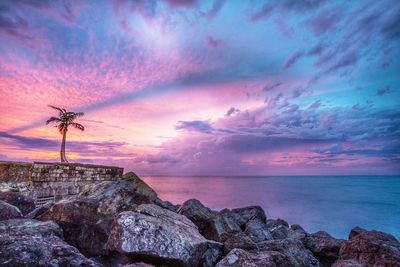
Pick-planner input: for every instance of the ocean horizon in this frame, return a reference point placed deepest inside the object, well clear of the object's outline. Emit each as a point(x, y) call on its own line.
point(335, 203)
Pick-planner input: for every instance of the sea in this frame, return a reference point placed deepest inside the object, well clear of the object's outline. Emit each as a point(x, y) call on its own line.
point(334, 204)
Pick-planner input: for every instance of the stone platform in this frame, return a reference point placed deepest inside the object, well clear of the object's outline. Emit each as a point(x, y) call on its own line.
point(53, 181)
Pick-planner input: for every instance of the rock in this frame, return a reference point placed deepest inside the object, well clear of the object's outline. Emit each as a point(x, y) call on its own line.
point(158, 236)
point(86, 220)
point(139, 264)
point(222, 223)
point(257, 231)
point(249, 213)
point(39, 210)
point(237, 240)
point(293, 249)
point(212, 255)
point(83, 225)
point(8, 211)
point(114, 197)
point(211, 224)
point(370, 248)
point(275, 223)
point(240, 258)
point(297, 232)
point(29, 227)
point(199, 214)
point(347, 263)
point(24, 203)
point(40, 251)
point(140, 186)
point(279, 232)
point(166, 205)
point(324, 247)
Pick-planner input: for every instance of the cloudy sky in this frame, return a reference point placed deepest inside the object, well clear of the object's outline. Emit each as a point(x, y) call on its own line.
point(175, 87)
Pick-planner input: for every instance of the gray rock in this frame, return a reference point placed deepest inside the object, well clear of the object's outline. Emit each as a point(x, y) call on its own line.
point(257, 231)
point(140, 186)
point(39, 210)
point(8, 211)
point(347, 263)
point(324, 247)
point(293, 249)
point(166, 205)
point(249, 213)
point(240, 258)
point(212, 255)
point(370, 248)
point(86, 220)
point(29, 227)
point(237, 240)
point(40, 251)
point(279, 232)
point(24, 203)
point(199, 214)
point(157, 236)
point(271, 223)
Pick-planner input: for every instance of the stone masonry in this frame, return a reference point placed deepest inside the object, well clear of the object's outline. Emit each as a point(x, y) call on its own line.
point(53, 181)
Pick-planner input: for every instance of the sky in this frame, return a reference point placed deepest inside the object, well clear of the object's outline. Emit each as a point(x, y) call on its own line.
point(186, 87)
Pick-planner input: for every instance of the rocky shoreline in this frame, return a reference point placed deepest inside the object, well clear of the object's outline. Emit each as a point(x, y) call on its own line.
point(124, 223)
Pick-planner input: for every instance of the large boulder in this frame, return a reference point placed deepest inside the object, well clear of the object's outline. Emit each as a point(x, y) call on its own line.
point(83, 225)
point(8, 211)
point(324, 247)
point(114, 197)
point(257, 231)
point(241, 258)
point(86, 220)
point(212, 225)
point(279, 228)
point(246, 214)
point(158, 236)
point(28, 227)
point(212, 255)
point(24, 203)
point(293, 249)
point(199, 214)
point(237, 240)
point(370, 248)
point(40, 251)
point(140, 186)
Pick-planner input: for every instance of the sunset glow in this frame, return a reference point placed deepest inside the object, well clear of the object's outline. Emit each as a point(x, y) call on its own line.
point(205, 87)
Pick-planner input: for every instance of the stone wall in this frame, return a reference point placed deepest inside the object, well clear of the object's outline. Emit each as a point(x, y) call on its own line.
point(53, 181)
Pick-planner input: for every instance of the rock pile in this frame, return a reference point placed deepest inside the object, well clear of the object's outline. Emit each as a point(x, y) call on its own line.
point(124, 223)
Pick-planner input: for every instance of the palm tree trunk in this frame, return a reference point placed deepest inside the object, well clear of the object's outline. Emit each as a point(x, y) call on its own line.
point(62, 151)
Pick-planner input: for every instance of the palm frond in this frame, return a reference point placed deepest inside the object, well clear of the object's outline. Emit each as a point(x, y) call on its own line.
point(53, 119)
point(61, 110)
point(78, 126)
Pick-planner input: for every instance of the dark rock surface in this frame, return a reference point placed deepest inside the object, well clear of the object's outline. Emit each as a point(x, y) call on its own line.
point(39, 210)
point(29, 227)
point(212, 225)
point(257, 231)
point(241, 258)
point(40, 251)
point(237, 240)
point(86, 220)
point(246, 214)
point(24, 203)
point(8, 211)
point(140, 186)
point(158, 236)
point(212, 255)
point(324, 247)
point(370, 248)
point(293, 249)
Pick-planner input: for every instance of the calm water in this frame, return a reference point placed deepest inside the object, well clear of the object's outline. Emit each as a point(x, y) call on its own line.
point(333, 204)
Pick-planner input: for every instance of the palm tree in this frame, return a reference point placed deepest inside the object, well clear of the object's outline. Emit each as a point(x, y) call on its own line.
point(64, 120)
